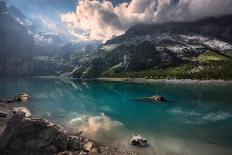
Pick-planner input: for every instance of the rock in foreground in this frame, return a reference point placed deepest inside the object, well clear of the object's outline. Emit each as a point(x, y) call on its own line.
point(3, 114)
point(26, 135)
point(39, 135)
point(138, 140)
point(22, 110)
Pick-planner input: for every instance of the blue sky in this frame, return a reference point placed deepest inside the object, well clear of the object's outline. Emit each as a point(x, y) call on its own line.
point(49, 8)
point(48, 12)
point(100, 20)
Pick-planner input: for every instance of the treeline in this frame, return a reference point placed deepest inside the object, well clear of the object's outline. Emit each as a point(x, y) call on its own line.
point(205, 71)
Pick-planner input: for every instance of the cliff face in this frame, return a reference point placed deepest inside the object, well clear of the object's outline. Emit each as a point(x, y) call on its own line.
point(15, 45)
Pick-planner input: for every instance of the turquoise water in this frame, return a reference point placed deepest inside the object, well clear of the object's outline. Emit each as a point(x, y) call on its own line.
point(196, 120)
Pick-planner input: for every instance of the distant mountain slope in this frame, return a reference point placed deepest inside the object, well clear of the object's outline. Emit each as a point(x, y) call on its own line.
point(15, 44)
point(154, 46)
point(19, 55)
point(218, 27)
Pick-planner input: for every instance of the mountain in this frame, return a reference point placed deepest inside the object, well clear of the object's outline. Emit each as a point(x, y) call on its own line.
point(15, 45)
point(199, 49)
point(214, 33)
point(22, 47)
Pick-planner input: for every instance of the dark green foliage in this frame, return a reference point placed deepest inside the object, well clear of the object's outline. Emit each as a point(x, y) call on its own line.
point(143, 56)
point(212, 70)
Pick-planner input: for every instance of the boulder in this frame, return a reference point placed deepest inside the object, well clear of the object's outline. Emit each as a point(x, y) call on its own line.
point(152, 98)
point(23, 111)
point(24, 133)
point(8, 100)
point(138, 140)
point(2, 114)
point(22, 97)
point(88, 146)
point(158, 98)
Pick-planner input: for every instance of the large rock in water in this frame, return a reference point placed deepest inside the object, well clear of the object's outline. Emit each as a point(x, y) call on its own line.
point(138, 140)
point(160, 99)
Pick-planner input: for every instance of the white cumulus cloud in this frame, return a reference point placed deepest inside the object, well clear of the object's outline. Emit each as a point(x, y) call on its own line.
point(100, 20)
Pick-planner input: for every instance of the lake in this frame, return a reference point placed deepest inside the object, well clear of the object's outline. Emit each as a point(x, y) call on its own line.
point(196, 120)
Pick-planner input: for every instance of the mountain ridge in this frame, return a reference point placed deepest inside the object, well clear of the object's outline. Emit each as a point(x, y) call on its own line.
point(177, 43)
point(200, 50)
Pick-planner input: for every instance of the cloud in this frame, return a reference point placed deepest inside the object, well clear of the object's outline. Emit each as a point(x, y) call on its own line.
point(93, 124)
point(100, 20)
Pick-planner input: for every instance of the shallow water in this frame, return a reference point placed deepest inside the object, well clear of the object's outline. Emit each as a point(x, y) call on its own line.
point(196, 120)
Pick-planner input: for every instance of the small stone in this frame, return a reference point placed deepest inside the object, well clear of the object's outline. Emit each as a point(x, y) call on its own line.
point(87, 146)
point(94, 151)
point(159, 98)
point(3, 114)
point(83, 153)
point(23, 111)
point(22, 97)
point(138, 140)
point(80, 133)
point(65, 153)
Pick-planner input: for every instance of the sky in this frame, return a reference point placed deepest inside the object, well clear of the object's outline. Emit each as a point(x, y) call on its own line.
point(102, 19)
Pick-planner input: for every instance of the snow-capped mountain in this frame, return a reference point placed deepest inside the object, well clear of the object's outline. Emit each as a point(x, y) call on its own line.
point(148, 46)
point(181, 38)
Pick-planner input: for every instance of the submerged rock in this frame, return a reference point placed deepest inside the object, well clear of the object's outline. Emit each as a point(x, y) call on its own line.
point(138, 140)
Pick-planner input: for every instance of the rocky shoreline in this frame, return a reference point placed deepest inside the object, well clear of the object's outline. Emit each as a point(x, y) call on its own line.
point(174, 81)
point(20, 133)
point(144, 80)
